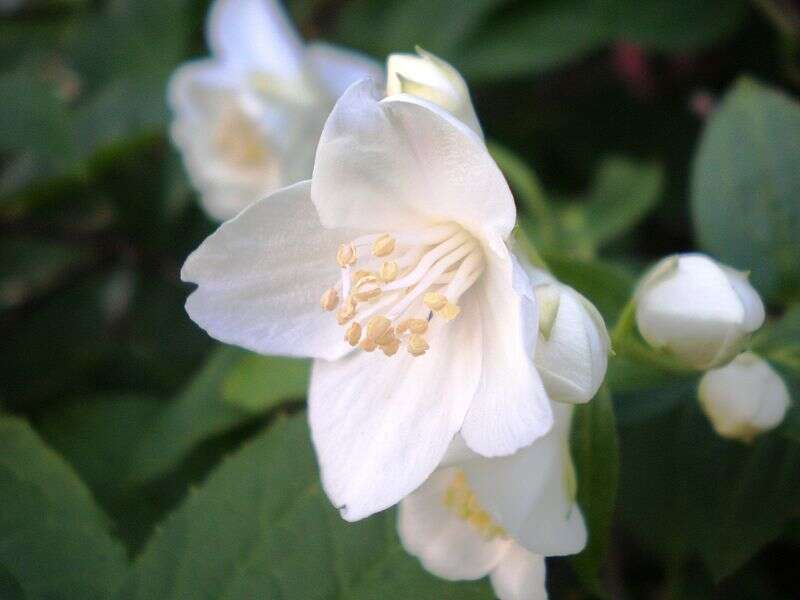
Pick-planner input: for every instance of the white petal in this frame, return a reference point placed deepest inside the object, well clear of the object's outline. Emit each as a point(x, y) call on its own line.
point(402, 162)
point(255, 35)
point(446, 546)
point(529, 493)
point(381, 425)
point(260, 277)
point(753, 305)
point(510, 409)
point(338, 68)
point(520, 576)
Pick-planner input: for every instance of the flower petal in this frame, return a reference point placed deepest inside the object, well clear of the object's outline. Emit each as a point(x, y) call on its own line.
point(446, 546)
point(404, 161)
point(529, 493)
point(510, 409)
point(255, 35)
point(381, 425)
point(338, 68)
point(260, 277)
point(520, 576)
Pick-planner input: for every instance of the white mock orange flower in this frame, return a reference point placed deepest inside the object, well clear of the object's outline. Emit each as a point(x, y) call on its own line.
point(247, 120)
point(498, 517)
point(391, 267)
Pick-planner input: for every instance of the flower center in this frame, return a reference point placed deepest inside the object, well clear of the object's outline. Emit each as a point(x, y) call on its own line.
point(237, 139)
point(393, 285)
point(460, 499)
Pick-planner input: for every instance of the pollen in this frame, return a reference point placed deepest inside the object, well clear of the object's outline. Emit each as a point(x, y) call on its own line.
point(346, 255)
point(383, 246)
point(401, 288)
point(353, 334)
point(461, 500)
point(329, 299)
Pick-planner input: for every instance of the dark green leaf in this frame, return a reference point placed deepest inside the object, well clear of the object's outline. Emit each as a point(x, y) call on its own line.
point(259, 383)
point(275, 535)
point(54, 541)
point(596, 455)
point(746, 183)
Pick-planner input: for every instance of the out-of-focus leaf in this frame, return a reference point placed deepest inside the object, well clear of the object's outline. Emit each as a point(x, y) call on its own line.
point(687, 491)
point(622, 193)
point(606, 284)
point(528, 37)
point(258, 383)
point(746, 185)
point(198, 412)
point(282, 538)
point(53, 539)
point(596, 455)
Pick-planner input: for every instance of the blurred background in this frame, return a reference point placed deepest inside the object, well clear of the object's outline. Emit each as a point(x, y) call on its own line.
point(597, 107)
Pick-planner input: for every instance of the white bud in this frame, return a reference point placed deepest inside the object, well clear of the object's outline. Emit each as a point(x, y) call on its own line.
point(698, 310)
point(744, 398)
point(430, 78)
point(573, 345)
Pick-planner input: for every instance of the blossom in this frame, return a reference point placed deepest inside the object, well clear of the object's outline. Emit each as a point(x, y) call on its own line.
point(391, 268)
point(744, 398)
point(431, 78)
point(498, 516)
point(697, 309)
point(573, 345)
point(247, 120)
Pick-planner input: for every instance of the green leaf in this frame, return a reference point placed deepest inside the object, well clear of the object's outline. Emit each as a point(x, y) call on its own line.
point(275, 535)
point(54, 541)
point(259, 383)
point(622, 193)
point(596, 455)
point(746, 183)
point(779, 342)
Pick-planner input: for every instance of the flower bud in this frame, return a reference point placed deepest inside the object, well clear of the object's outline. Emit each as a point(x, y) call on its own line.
point(573, 345)
point(430, 78)
point(698, 310)
point(744, 398)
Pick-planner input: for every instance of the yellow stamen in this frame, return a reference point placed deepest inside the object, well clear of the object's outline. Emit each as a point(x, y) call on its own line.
point(417, 346)
point(383, 246)
point(391, 348)
point(387, 338)
point(388, 271)
point(360, 274)
point(329, 299)
point(346, 255)
point(417, 326)
point(434, 300)
point(367, 345)
point(346, 311)
point(377, 326)
point(449, 312)
point(353, 334)
point(461, 500)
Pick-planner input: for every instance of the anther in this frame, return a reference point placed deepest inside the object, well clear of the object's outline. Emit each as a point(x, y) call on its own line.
point(353, 334)
point(346, 311)
point(346, 255)
point(383, 246)
point(434, 300)
point(387, 339)
point(377, 326)
point(367, 345)
point(329, 299)
point(391, 348)
point(449, 311)
point(388, 271)
point(417, 345)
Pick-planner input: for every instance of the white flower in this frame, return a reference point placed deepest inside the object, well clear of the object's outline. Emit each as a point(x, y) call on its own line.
point(429, 77)
point(401, 236)
point(573, 346)
point(697, 309)
point(744, 398)
point(498, 516)
point(247, 120)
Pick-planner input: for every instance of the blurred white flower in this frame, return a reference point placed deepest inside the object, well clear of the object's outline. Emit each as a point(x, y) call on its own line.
point(697, 309)
point(247, 120)
point(498, 516)
point(572, 350)
point(744, 398)
point(431, 78)
point(392, 250)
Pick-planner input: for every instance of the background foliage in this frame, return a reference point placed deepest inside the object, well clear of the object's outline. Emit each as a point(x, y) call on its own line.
point(140, 460)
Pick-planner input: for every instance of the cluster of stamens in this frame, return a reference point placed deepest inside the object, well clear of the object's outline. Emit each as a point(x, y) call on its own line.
point(461, 500)
point(393, 285)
